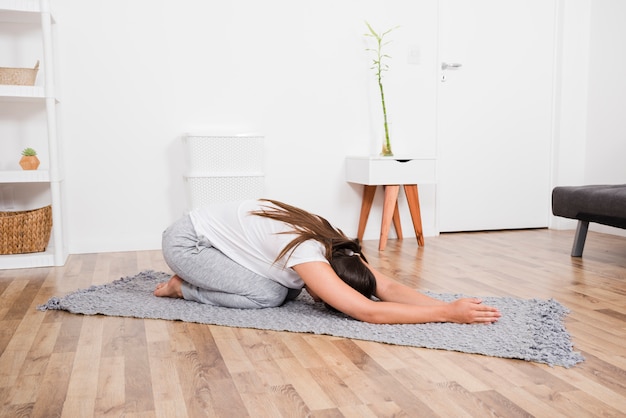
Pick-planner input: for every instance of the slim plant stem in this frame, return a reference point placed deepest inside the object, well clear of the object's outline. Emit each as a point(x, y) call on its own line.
point(387, 147)
point(379, 67)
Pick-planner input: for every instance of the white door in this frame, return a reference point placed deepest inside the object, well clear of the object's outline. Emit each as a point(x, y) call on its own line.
point(495, 113)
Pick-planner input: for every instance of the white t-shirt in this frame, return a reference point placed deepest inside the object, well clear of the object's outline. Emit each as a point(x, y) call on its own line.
point(255, 241)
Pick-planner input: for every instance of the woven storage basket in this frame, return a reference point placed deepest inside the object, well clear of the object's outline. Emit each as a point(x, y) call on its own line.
point(19, 76)
point(26, 231)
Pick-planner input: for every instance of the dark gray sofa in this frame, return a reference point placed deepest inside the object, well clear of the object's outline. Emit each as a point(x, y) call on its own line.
point(603, 204)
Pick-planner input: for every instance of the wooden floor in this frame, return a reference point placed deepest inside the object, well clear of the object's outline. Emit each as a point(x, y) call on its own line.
point(60, 364)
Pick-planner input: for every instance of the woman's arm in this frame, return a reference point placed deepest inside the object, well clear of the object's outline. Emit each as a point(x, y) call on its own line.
point(397, 305)
point(390, 290)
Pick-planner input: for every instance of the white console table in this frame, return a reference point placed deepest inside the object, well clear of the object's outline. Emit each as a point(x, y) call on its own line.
point(391, 173)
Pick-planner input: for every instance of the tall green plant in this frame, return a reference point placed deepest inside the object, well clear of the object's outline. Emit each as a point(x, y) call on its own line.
point(379, 68)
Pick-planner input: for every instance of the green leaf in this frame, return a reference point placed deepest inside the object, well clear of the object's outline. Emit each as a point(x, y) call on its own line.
point(29, 152)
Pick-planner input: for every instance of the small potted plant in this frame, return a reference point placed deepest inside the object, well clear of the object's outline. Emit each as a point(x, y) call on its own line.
point(29, 159)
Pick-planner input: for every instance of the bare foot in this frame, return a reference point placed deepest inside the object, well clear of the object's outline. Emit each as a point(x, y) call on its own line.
point(170, 289)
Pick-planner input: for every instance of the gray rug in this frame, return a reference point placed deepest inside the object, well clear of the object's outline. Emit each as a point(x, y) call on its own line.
point(530, 329)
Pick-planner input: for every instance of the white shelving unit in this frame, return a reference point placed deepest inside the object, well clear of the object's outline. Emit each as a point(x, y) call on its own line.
point(17, 101)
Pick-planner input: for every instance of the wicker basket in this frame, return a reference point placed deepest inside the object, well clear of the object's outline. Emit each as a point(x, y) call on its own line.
point(25, 231)
point(19, 76)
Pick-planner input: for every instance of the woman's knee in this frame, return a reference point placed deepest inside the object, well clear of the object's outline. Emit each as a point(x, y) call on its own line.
point(268, 294)
point(177, 241)
point(272, 299)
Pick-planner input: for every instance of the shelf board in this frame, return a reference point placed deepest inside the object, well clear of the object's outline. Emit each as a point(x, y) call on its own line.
point(20, 11)
point(24, 176)
point(31, 260)
point(16, 93)
point(20, 5)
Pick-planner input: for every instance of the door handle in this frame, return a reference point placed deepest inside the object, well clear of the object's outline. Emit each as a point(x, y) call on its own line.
point(450, 65)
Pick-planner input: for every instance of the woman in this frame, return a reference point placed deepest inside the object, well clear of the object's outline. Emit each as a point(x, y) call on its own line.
point(260, 253)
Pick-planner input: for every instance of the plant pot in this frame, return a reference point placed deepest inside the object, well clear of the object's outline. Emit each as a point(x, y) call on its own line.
point(30, 162)
point(386, 150)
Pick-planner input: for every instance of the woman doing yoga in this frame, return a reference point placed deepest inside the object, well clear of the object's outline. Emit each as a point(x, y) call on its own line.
point(261, 253)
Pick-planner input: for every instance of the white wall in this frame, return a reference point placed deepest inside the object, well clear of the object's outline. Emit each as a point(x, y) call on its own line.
point(590, 139)
point(606, 128)
point(136, 75)
point(606, 125)
point(571, 96)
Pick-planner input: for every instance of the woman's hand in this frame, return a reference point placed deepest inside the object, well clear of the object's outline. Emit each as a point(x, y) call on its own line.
point(472, 311)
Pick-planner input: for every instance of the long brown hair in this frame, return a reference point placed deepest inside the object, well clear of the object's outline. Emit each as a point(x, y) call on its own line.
point(341, 252)
point(307, 226)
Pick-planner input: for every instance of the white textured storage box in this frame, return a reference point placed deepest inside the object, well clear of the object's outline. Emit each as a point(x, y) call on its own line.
point(237, 153)
point(223, 168)
point(207, 190)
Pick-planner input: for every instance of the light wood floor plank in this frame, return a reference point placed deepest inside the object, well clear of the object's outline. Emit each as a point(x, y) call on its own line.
point(110, 399)
point(82, 391)
point(168, 396)
point(53, 386)
point(533, 405)
point(304, 383)
point(137, 376)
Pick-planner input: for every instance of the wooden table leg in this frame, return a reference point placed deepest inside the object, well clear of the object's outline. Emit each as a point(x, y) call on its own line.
point(396, 221)
point(412, 197)
point(366, 205)
point(389, 207)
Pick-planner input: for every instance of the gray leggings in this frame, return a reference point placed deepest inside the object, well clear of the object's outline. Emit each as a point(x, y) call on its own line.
point(211, 277)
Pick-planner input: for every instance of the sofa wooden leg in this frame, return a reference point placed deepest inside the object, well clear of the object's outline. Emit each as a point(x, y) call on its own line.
point(579, 239)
